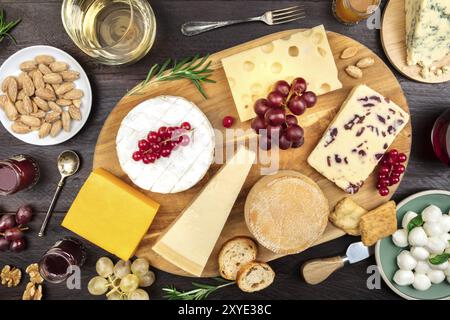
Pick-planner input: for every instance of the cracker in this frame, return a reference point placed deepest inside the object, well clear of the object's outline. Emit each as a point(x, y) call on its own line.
point(347, 216)
point(378, 223)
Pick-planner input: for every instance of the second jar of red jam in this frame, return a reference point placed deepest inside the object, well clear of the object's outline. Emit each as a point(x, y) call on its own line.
point(18, 173)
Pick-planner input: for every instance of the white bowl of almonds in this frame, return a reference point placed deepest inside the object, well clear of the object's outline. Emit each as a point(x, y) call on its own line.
point(45, 95)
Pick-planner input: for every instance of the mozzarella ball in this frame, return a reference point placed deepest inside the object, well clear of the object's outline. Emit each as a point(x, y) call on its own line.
point(417, 237)
point(404, 277)
point(420, 253)
point(445, 238)
point(442, 266)
point(432, 228)
point(421, 282)
point(431, 214)
point(435, 245)
point(447, 271)
point(436, 276)
point(406, 261)
point(422, 267)
point(407, 218)
point(445, 223)
point(400, 238)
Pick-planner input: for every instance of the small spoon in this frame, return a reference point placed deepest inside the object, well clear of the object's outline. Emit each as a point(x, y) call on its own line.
point(68, 165)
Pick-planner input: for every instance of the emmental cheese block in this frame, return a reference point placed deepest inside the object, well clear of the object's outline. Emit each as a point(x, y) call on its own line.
point(357, 138)
point(306, 54)
point(111, 214)
point(189, 241)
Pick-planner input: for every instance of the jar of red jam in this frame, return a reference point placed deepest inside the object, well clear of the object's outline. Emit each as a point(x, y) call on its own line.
point(440, 137)
point(18, 173)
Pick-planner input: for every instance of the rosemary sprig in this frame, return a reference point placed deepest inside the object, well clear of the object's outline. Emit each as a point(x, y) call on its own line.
point(6, 27)
point(196, 69)
point(201, 292)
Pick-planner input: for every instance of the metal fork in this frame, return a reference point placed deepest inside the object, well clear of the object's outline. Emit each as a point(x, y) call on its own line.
point(270, 17)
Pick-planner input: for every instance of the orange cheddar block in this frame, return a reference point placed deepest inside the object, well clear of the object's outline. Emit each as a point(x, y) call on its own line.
point(111, 214)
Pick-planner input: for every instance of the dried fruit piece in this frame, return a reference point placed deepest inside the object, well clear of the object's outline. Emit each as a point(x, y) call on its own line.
point(27, 83)
point(365, 62)
point(28, 66)
point(75, 113)
point(65, 118)
point(10, 276)
point(41, 103)
point(77, 103)
point(30, 121)
point(20, 128)
point(64, 102)
point(52, 117)
point(74, 94)
point(59, 66)
point(44, 59)
point(65, 87)
point(44, 130)
point(354, 72)
point(10, 110)
point(38, 79)
point(53, 78)
point(11, 90)
point(46, 94)
point(28, 106)
point(349, 52)
point(44, 69)
point(54, 107)
point(70, 75)
point(56, 128)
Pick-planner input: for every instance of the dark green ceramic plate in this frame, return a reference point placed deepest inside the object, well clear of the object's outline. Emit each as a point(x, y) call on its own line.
point(386, 252)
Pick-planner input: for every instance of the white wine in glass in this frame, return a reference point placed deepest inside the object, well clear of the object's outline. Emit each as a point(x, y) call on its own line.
point(112, 31)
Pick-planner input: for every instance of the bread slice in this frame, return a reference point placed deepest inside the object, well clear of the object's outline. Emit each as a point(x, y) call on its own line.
point(378, 223)
point(255, 276)
point(234, 254)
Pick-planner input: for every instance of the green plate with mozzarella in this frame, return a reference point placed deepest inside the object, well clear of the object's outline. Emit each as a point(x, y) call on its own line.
point(386, 252)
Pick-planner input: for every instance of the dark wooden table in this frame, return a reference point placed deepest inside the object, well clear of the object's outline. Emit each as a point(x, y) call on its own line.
point(41, 24)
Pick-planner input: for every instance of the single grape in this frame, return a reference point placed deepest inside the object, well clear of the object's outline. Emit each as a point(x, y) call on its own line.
point(4, 244)
point(98, 286)
point(310, 99)
point(258, 124)
point(284, 143)
point(282, 87)
point(13, 234)
point(129, 283)
point(297, 105)
point(122, 268)
point(114, 296)
point(140, 267)
point(299, 143)
point(18, 245)
point(7, 221)
point(147, 279)
point(275, 116)
point(138, 294)
point(294, 133)
point(261, 106)
point(291, 119)
point(264, 142)
point(24, 214)
point(275, 99)
point(299, 86)
point(104, 267)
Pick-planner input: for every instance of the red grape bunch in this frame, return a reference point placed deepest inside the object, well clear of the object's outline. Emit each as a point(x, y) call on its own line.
point(12, 229)
point(390, 170)
point(271, 113)
point(161, 143)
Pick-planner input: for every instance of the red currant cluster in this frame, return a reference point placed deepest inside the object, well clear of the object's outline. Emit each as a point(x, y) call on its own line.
point(271, 113)
point(161, 143)
point(390, 170)
point(12, 228)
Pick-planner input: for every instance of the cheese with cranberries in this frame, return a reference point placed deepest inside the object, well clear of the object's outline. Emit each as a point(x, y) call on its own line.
point(186, 165)
point(357, 139)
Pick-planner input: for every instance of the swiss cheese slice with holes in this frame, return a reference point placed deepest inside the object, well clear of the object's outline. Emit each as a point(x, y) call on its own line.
point(251, 74)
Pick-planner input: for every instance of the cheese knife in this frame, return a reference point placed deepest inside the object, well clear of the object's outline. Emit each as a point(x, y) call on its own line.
point(318, 270)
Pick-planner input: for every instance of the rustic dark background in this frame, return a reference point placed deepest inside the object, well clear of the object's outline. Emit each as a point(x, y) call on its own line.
point(41, 25)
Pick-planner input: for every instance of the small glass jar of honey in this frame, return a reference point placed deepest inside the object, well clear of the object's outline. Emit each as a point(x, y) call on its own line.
point(351, 12)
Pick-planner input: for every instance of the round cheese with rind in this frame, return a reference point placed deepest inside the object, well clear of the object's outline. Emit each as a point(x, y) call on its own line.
point(187, 165)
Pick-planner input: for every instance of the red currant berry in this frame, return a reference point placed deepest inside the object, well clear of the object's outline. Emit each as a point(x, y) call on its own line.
point(384, 182)
point(383, 191)
point(162, 130)
point(152, 137)
point(152, 157)
point(146, 159)
point(137, 156)
point(143, 145)
point(393, 153)
point(399, 168)
point(382, 176)
point(401, 157)
point(384, 170)
point(228, 121)
point(185, 140)
point(393, 180)
point(165, 153)
point(186, 126)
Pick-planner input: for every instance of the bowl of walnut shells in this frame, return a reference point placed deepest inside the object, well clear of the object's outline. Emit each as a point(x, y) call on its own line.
point(45, 95)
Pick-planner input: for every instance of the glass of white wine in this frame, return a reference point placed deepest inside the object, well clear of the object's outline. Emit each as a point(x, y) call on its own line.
point(114, 32)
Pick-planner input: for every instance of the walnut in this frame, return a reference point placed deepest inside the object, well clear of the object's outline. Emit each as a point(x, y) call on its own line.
point(32, 292)
point(33, 272)
point(10, 276)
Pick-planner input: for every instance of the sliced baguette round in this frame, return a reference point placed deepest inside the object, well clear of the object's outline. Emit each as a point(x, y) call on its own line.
point(254, 276)
point(234, 254)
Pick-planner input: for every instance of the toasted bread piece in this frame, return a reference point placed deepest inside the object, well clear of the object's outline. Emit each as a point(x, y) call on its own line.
point(254, 276)
point(378, 223)
point(347, 216)
point(234, 254)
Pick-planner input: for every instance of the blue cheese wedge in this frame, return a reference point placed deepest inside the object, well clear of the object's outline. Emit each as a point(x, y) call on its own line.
point(357, 139)
point(427, 32)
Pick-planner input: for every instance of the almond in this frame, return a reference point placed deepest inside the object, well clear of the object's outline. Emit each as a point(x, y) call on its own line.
point(27, 84)
point(45, 94)
point(70, 75)
point(28, 106)
point(35, 128)
point(65, 117)
point(10, 110)
point(64, 102)
point(44, 69)
point(20, 108)
point(52, 117)
point(58, 66)
point(365, 63)
point(21, 94)
point(74, 94)
point(44, 59)
point(64, 88)
point(354, 72)
point(44, 130)
point(77, 103)
point(349, 52)
point(35, 107)
point(54, 107)
point(6, 82)
point(41, 103)
point(3, 100)
point(56, 128)
point(38, 79)
point(75, 113)
point(30, 121)
point(28, 66)
point(53, 78)
point(38, 114)
point(20, 128)
point(12, 90)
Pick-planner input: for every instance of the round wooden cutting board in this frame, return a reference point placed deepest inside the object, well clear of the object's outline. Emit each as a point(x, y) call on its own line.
point(220, 104)
point(393, 39)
